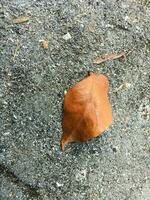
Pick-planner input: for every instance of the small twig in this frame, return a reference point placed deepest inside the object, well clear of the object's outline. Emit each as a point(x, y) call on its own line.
point(109, 56)
point(130, 51)
point(16, 50)
point(122, 86)
point(21, 19)
point(113, 56)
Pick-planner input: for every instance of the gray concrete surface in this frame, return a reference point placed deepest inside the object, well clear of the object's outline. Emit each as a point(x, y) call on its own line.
point(115, 166)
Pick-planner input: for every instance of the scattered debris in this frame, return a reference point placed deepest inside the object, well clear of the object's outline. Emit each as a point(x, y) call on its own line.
point(9, 74)
point(122, 27)
point(67, 36)
point(92, 26)
point(144, 110)
point(82, 15)
point(122, 86)
point(109, 56)
point(130, 51)
point(21, 19)
point(81, 175)
point(44, 43)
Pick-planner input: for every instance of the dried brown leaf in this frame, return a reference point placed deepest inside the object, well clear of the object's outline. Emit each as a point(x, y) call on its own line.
point(87, 111)
point(21, 19)
point(109, 56)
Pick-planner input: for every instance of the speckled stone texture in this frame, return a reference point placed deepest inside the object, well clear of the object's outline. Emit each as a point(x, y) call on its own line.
point(115, 166)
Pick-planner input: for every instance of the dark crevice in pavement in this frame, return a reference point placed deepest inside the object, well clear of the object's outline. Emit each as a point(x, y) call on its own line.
point(27, 188)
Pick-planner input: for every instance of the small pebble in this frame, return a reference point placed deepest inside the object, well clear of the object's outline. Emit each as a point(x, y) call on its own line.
point(59, 184)
point(65, 92)
point(67, 36)
point(6, 133)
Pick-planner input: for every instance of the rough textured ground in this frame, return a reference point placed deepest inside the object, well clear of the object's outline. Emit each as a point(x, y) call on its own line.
point(115, 166)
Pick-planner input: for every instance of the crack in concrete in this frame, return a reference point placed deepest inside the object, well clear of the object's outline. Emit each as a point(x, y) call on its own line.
point(27, 188)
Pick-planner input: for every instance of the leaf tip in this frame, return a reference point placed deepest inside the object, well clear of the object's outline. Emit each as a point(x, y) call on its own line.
point(62, 145)
point(90, 73)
